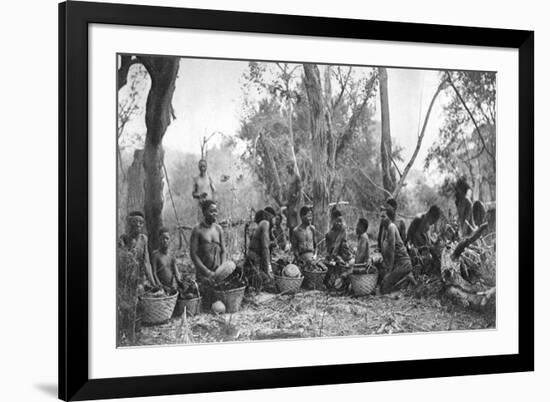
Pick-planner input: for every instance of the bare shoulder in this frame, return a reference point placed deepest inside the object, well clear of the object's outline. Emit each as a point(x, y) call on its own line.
point(196, 231)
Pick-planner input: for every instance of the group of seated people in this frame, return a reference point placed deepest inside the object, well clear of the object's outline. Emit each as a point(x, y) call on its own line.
point(207, 249)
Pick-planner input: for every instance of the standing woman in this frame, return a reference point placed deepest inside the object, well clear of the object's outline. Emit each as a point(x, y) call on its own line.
point(396, 261)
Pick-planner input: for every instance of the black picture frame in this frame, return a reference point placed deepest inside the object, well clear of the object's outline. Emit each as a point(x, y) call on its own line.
point(74, 18)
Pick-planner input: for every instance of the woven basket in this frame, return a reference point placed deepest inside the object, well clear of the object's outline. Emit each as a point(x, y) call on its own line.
point(364, 283)
point(288, 285)
point(192, 306)
point(155, 310)
point(231, 298)
point(314, 279)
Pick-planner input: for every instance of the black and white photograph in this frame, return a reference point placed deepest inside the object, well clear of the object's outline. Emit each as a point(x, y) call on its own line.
point(268, 200)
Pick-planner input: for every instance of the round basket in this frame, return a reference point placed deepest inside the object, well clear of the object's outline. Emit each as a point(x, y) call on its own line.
point(314, 279)
point(231, 298)
point(364, 283)
point(288, 285)
point(192, 306)
point(155, 310)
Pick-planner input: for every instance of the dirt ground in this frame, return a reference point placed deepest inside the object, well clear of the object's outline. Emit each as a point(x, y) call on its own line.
point(320, 314)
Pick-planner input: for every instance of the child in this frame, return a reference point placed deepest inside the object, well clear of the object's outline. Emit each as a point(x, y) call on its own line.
point(362, 255)
point(164, 263)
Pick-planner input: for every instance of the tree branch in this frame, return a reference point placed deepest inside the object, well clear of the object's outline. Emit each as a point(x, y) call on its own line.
point(471, 117)
point(418, 142)
point(366, 176)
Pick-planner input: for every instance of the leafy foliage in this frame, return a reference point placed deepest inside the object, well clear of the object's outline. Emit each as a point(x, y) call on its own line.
point(460, 149)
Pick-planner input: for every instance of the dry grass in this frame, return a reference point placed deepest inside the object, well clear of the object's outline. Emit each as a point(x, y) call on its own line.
point(315, 314)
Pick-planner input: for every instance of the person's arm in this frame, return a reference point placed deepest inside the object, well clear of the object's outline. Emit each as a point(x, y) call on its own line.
point(266, 260)
point(175, 271)
point(222, 244)
point(195, 255)
point(151, 276)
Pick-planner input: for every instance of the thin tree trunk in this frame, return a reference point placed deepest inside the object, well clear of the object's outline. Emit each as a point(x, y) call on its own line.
point(388, 174)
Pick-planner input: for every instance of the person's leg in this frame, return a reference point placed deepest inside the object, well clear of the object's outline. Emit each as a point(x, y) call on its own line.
point(391, 279)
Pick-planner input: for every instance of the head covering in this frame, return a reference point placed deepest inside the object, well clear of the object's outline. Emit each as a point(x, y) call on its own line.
point(136, 213)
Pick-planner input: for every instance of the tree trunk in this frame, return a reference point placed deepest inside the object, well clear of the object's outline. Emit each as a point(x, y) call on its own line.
point(275, 188)
point(388, 174)
point(312, 82)
point(158, 115)
point(135, 195)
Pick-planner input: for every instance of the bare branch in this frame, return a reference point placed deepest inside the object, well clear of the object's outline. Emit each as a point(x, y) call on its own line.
point(418, 142)
point(366, 176)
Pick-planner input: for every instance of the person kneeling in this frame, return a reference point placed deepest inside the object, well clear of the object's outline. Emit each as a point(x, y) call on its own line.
point(396, 265)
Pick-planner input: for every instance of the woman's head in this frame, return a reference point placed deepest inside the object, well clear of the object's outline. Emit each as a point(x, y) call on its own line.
point(362, 226)
point(135, 223)
point(209, 211)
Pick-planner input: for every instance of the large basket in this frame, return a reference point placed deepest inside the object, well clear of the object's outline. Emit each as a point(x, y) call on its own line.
point(314, 279)
point(288, 285)
point(231, 298)
point(364, 283)
point(155, 310)
point(192, 306)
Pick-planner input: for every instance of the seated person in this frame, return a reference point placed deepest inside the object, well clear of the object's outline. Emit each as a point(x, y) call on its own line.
point(417, 234)
point(396, 261)
point(135, 242)
point(400, 223)
point(279, 233)
point(303, 237)
point(362, 255)
point(336, 239)
point(164, 263)
point(258, 257)
point(207, 249)
point(338, 253)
